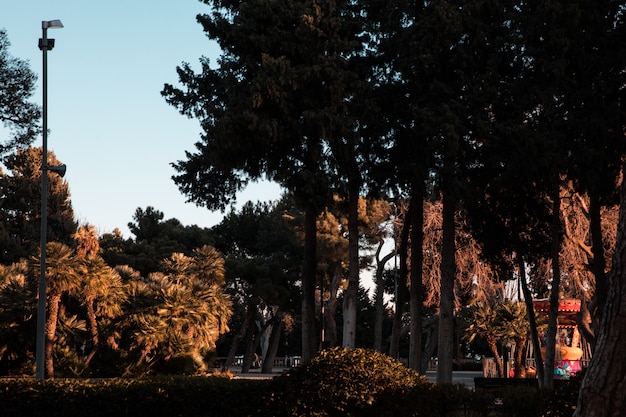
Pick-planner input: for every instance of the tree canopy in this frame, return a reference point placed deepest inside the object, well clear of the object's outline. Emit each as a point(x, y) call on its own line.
point(18, 115)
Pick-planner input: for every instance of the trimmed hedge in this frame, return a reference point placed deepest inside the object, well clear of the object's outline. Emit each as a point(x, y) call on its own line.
point(160, 396)
point(337, 382)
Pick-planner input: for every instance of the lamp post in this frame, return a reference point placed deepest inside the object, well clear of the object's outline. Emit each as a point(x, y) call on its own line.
point(45, 45)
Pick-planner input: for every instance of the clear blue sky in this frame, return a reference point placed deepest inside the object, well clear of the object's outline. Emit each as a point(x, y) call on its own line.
point(107, 119)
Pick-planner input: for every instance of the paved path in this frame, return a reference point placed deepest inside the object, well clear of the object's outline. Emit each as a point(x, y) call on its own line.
point(458, 377)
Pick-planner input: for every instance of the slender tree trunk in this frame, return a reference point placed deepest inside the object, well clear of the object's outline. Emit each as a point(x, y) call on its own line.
point(555, 230)
point(493, 346)
point(379, 301)
point(272, 348)
point(351, 296)
point(401, 287)
point(430, 347)
point(532, 320)
point(93, 328)
point(598, 264)
point(446, 306)
point(252, 341)
point(417, 257)
point(331, 308)
point(603, 390)
point(51, 329)
point(519, 367)
point(309, 334)
point(251, 310)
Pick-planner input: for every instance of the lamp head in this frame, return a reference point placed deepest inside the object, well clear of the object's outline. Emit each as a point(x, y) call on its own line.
point(51, 24)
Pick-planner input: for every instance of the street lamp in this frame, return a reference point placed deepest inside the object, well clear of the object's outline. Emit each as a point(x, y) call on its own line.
point(45, 45)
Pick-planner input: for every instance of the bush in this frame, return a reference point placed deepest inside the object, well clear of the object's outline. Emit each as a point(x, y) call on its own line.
point(338, 382)
point(155, 397)
point(524, 402)
point(344, 382)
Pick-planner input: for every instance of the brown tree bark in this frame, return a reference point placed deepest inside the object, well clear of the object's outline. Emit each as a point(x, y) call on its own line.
point(93, 329)
point(251, 311)
point(555, 230)
point(532, 320)
point(272, 348)
point(598, 264)
point(379, 302)
point(51, 329)
point(415, 290)
point(401, 286)
point(493, 346)
point(252, 342)
point(351, 295)
point(603, 392)
point(446, 302)
point(519, 367)
point(309, 335)
point(330, 334)
point(431, 325)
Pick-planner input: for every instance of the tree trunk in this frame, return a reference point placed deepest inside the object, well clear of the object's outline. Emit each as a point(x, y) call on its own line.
point(493, 346)
point(351, 296)
point(519, 367)
point(251, 310)
point(401, 289)
point(598, 264)
point(331, 309)
point(309, 335)
point(272, 348)
point(93, 328)
point(430, 347)
point(417, 256)
point(555, 231)
point(446, 305)
point(51, 330)
point(252, 341)
point(532, 320)
point(379, 302)
point(602, 393)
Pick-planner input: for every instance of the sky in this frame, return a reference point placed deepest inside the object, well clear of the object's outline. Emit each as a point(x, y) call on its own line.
point(107, 119)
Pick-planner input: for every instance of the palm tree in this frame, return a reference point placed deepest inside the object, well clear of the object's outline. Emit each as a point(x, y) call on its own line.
point(181, 312)
point(486, 324)
point(61, 278)
point(17, 312)
point(103, 295)
point(86, 241)
point(514, 325)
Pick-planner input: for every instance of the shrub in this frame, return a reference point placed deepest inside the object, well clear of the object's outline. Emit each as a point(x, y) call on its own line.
point(155, 397)
point(344, 382)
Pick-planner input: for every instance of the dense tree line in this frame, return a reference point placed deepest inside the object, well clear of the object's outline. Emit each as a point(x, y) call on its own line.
point(489, 107)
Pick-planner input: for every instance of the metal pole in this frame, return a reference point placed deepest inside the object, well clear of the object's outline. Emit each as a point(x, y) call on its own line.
point(41, 306)
point(45, 45)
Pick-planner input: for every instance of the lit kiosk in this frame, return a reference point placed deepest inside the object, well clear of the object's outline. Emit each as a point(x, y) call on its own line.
point(572, 352)
point(45, 45)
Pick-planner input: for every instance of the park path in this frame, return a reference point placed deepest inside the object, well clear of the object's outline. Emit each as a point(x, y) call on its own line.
point(458, 377)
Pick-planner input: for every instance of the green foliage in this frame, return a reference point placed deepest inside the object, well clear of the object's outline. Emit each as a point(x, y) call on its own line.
point(18, 115)
point(564, 398)
point(524, 402)
point(399, 393)
point(346, 382)
point(173, 319)
point(156, 397)
point(21, 219)
point(155, 239)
